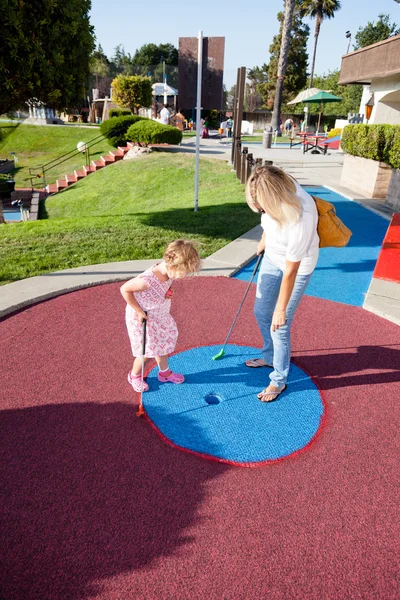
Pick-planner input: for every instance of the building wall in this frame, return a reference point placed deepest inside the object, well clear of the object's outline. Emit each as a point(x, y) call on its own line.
point(386, 107)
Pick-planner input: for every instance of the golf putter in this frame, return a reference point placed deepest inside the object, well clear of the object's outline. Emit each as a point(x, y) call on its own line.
point(140, 410)
point(222, 351)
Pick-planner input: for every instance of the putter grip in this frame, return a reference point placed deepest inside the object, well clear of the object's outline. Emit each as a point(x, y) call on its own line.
point(144, 336)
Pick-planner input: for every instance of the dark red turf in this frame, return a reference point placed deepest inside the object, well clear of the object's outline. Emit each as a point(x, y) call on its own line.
point(95, 505)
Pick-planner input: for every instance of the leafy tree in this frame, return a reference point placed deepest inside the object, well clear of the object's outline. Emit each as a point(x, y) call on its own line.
point(375, 32)
point(296, 72)
point(99, 65)
point(257, 77)
point(148, 60)
point(282, 62)
point(121, 62)
point(132, 91)
point(318, 10)
point(45, 48)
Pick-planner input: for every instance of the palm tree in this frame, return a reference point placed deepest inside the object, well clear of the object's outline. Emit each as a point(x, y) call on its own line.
point(320, 10)
point(282, 63)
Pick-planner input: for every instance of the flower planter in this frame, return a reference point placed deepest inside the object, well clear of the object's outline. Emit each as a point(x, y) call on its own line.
point(365, 176)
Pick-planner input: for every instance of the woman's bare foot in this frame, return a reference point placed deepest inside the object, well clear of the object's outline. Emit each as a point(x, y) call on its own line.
point(270, 393)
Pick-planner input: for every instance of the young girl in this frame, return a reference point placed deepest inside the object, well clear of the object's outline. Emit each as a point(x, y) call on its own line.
point(148, 296)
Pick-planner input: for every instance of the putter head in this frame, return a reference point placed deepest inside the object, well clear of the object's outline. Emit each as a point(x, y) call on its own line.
point(219, 355)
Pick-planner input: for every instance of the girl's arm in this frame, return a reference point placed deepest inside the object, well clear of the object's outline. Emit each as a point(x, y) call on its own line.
point(138, 284)
point(287, 285)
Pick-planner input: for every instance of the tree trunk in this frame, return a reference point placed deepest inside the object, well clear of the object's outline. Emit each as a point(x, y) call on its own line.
point(282, 64)
point(318, 22)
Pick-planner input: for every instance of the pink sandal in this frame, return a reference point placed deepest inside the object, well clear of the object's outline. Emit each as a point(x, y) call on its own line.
point(136, 382)
point(168, 375)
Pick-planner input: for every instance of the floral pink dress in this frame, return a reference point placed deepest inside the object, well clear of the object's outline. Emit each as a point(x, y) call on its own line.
point(161, 330)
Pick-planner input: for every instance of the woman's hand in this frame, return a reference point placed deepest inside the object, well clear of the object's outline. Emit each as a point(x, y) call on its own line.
point(261, 245)
point(278, 319)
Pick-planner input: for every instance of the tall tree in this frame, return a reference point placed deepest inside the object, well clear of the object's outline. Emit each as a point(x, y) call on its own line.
point(375, 32)
point(282, 63)
point(296, 72)
point(149, 59)
point(45, 48)
point(318, 10)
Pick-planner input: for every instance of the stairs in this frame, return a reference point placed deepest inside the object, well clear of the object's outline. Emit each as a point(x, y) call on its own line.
point(112, 157)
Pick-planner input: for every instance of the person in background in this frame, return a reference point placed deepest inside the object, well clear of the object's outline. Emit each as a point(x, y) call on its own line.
point(179, 120)
point(229, 125)
point(288, 125)
point(165, 115)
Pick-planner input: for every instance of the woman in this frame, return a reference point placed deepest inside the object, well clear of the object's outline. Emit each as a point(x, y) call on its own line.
point(291, 245)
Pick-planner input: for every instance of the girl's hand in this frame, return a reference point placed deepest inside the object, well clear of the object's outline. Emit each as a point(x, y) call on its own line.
point(141, 315)
point(169, 293)
point(278, 319)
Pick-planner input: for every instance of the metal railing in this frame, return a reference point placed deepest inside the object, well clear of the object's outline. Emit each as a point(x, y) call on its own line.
point(39, 173)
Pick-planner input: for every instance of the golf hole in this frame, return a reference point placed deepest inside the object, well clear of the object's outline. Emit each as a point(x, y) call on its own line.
point(213, 398)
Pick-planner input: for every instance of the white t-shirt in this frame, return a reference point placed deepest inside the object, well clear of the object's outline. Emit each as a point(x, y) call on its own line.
point(299, 242)
point(164, 116)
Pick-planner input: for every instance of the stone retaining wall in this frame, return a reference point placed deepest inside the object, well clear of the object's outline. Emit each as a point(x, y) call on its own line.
point(368, 177)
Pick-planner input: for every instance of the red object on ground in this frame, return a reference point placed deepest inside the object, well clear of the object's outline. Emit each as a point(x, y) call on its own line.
point(388, 264)
point(95, 505)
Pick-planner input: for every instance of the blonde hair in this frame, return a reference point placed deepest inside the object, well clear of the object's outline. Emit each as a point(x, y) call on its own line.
point(182, 256)
point(275, 193)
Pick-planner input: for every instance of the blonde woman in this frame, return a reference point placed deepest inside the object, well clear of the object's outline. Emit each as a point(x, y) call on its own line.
point(291, 245)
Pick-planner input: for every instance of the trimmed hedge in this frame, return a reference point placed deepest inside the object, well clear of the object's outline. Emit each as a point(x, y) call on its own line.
point(151, 132)
point(377, 142)
point(119, 112)
point(115, 129)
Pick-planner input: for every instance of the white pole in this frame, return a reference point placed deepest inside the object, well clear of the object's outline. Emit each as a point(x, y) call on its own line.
point(165, 84)
point(198, 118)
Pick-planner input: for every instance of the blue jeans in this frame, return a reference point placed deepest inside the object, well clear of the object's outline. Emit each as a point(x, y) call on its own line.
point(276, 349)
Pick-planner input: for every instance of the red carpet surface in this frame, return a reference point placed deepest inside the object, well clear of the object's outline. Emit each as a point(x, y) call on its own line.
point(95, 505)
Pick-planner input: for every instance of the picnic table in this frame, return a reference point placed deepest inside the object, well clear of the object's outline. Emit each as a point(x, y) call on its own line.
point(315, 143)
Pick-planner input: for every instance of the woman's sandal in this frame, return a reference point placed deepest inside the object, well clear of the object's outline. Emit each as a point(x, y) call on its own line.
point(265, 396)
point(170, 376)
point(254, 363)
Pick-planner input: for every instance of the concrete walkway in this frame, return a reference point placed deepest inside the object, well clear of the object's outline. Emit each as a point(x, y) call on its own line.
point(308, 169)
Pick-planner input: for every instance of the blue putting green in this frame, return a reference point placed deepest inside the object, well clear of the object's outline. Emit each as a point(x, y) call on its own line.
point(344, 274)
point(216, 413)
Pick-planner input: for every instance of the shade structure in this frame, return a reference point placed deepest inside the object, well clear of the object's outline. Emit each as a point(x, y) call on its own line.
point(159, 89)
point(304, 94)
point(322, 97)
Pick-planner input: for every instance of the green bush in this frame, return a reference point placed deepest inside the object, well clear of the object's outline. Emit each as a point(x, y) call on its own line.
point(151, 132)
point(119, 112)
point(378, 142)
point(115, 129)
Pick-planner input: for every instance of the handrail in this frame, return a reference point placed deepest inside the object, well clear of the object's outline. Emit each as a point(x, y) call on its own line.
point(40, 172)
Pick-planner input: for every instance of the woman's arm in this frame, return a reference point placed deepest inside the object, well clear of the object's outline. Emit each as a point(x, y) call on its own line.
point(287, 285)
point(134, 285)
point(261, 245)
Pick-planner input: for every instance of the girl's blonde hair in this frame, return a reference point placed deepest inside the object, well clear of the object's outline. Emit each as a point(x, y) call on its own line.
point(182, 256)
point(273, 191)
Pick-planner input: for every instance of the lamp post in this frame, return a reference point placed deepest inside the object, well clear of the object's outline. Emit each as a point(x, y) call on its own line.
point(348, 36)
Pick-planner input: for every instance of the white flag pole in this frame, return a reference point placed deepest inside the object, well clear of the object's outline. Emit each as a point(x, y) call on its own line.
point(198, 119)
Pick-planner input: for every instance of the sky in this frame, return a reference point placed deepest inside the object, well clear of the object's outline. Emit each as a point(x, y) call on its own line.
point(248, 27)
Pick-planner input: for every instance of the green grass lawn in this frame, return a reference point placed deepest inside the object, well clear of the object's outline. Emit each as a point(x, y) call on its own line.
point(35, 145)
point(129, 210)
